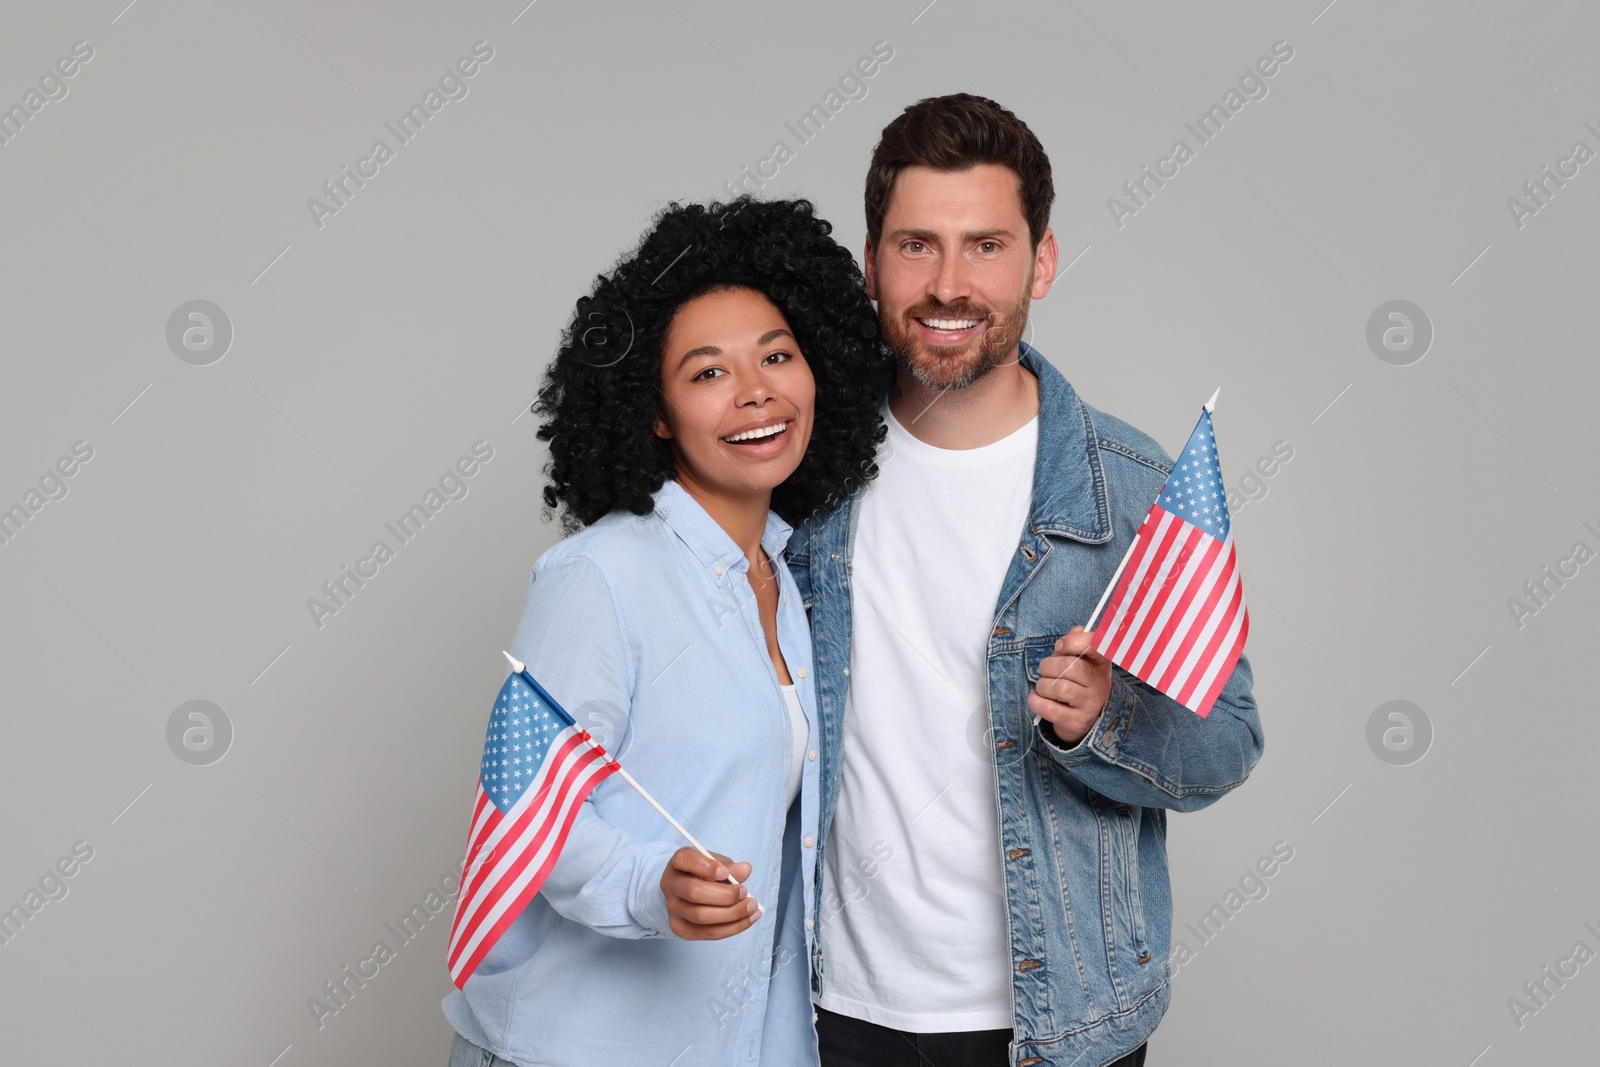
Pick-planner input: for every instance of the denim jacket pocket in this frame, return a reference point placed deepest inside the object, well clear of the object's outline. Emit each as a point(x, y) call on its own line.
point(1122, 903)
point(1128, 819)
point(1035, 650)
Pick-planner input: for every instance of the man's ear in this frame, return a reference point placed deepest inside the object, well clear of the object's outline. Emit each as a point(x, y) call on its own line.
point(870, 266)
point(1044, 265)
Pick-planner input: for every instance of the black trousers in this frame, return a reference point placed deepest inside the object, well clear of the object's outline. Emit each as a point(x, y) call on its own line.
point(848, 1042)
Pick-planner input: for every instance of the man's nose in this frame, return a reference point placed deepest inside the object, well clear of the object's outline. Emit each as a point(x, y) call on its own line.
point(951, 282)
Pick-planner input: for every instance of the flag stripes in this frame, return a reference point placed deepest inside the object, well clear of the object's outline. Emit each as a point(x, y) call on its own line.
point(1177, 618)
point(538, 768)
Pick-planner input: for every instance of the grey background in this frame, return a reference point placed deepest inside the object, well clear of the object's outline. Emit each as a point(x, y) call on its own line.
point(369, 354)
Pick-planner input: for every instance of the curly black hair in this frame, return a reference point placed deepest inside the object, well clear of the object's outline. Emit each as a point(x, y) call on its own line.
point(600, 394)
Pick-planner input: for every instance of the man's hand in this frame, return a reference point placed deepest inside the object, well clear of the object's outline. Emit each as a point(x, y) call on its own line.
point(701, 905)
point(1074, 685)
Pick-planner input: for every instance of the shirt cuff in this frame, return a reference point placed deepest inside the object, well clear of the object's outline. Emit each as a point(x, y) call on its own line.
point(649, 902)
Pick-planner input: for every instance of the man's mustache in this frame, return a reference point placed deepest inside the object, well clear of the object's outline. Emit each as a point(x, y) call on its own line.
point(948, 311)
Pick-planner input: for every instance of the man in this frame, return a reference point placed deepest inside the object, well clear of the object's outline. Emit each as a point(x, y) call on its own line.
point(990, 890)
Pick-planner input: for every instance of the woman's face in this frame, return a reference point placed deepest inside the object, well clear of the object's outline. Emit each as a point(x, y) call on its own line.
point(736, 395)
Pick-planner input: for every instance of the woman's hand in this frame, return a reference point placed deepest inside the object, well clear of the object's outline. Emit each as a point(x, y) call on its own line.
point(701, 905)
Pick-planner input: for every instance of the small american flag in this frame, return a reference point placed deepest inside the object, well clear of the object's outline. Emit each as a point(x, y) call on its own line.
point(538, 766)
point(1178, 620)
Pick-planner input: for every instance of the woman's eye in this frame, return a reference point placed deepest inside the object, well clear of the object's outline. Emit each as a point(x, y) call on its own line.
point(779, 356)
point(705, 375)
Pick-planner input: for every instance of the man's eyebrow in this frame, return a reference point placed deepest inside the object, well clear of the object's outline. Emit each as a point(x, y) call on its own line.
point(713, 350)
point(929, 237)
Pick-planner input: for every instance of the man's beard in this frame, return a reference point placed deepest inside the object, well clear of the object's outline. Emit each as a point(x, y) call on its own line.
point(934, 367)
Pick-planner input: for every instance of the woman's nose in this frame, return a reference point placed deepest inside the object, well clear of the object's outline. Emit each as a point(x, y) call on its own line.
point(754, 388)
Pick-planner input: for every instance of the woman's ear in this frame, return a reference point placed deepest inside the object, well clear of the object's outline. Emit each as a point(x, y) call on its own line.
point(662, 430)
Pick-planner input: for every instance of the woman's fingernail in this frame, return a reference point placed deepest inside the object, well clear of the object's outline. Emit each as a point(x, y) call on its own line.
point(722, 874)
point(750, 907)
point(743, 892)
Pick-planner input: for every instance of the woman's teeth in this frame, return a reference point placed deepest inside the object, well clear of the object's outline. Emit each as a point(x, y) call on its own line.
point(757, 434)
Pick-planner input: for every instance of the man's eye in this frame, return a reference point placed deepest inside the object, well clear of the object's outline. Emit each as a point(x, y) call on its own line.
point(914, 247)
point(989, 246)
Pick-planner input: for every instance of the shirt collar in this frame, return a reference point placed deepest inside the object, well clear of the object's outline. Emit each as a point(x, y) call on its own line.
point(1069, 486)
point(702, 534)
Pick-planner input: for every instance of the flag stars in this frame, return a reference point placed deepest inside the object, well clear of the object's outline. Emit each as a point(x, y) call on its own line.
point(1194, 490)
point(517, 742)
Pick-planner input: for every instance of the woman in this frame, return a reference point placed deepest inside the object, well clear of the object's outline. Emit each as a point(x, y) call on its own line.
point(719, 385)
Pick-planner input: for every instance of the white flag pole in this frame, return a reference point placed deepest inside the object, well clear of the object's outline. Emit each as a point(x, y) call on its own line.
point(519, 667)
point(1211, 405)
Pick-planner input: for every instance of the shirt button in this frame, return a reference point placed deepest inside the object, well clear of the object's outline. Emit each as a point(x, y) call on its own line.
point(810, 925)
point(811, 842)
point(717, 568)
point(784, 599)
point(836, 557)
point(847, 672)
point(812, 754)
point(801, 672)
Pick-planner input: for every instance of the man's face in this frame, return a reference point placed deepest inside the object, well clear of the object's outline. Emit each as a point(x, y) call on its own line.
point(954, 271)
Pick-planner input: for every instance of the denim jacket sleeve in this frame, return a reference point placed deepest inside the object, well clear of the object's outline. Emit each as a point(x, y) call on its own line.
point(1148, 750)
point(573, 638)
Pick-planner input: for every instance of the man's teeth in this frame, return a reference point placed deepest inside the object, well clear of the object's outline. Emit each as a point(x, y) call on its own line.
point(755, 435)
point(949, 324)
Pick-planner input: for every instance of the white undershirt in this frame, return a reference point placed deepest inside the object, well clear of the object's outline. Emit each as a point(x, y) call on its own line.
point(913, 914)
point(799, 735)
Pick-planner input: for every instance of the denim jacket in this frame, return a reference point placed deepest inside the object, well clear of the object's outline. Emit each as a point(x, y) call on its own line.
point(1082, 828)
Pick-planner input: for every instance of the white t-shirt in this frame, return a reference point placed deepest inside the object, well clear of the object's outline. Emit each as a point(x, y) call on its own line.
point(799, 738)
point(914, 921)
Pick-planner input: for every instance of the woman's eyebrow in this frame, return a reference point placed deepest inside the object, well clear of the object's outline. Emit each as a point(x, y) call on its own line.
point(713, 350)
point(703, 350)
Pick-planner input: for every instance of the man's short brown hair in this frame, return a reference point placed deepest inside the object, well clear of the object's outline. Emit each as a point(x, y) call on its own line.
point(956, 132)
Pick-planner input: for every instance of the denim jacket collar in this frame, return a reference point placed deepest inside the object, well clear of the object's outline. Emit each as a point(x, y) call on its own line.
point(1069, 485)
point(705, 537)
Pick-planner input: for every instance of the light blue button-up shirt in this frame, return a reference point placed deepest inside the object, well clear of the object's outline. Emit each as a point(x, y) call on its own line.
point(646, 629)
